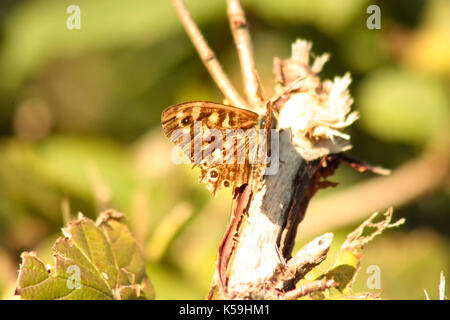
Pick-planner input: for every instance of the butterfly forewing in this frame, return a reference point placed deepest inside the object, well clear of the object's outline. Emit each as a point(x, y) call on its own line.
point(212, 115)
point(208, 124)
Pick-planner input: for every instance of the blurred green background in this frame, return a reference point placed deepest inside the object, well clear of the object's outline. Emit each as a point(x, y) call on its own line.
point(80, 128)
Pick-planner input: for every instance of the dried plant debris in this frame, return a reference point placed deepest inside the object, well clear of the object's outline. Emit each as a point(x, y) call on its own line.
point(315, 111)
point(93, 261)
point(356, 240)
point(347, 264)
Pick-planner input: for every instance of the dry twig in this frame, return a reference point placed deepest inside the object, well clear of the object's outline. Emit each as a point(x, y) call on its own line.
point(315, 286)
point(310, 256)
point(356, 240)
point(207, 55)
point(239, 28)
point(431, 170)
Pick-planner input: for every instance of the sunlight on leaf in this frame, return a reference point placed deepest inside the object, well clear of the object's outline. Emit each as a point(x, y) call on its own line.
point(98, 261)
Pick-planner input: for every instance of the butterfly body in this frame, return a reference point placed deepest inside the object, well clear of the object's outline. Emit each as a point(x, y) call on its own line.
point(204, 131)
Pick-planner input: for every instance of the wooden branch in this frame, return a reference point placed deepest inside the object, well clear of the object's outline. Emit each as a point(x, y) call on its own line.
point(307, 258)
point(253, 244)
point(310, 256)
point(239, 29)
point(208, 57)
point(255, 253)
point(254, 259)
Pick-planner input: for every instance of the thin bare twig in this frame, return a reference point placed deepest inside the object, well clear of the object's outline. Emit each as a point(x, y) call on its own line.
point(207, 55)
point(310, 256)
point(318, 285)
point(239, 28)
point(65, 208)
point(355, 240)
point(442, 287)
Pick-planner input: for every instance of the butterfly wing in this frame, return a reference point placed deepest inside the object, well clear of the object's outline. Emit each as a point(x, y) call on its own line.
point(210, 113)
point(202, 122)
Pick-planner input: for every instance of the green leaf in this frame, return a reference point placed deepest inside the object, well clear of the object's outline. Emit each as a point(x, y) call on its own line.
point(95, 260)
point(344, 269)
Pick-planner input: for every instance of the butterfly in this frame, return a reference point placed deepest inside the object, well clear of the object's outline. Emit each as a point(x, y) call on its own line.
point(223, 141)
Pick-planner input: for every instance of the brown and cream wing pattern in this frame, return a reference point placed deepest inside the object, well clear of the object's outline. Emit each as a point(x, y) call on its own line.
point(199, 120)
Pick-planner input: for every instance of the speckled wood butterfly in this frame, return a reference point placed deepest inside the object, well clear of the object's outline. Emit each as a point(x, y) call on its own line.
point(224, 141)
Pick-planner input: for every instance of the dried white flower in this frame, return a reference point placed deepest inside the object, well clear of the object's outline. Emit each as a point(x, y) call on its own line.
point(317, 111)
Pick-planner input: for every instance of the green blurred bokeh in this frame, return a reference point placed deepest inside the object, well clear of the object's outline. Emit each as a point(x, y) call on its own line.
point(80, 124)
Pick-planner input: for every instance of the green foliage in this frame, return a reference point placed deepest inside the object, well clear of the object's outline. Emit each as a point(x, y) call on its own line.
point(398, 106)
point(80, 113)
point(320, 13)
point(98, 261)
point(106, 25)
point(347, 262)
